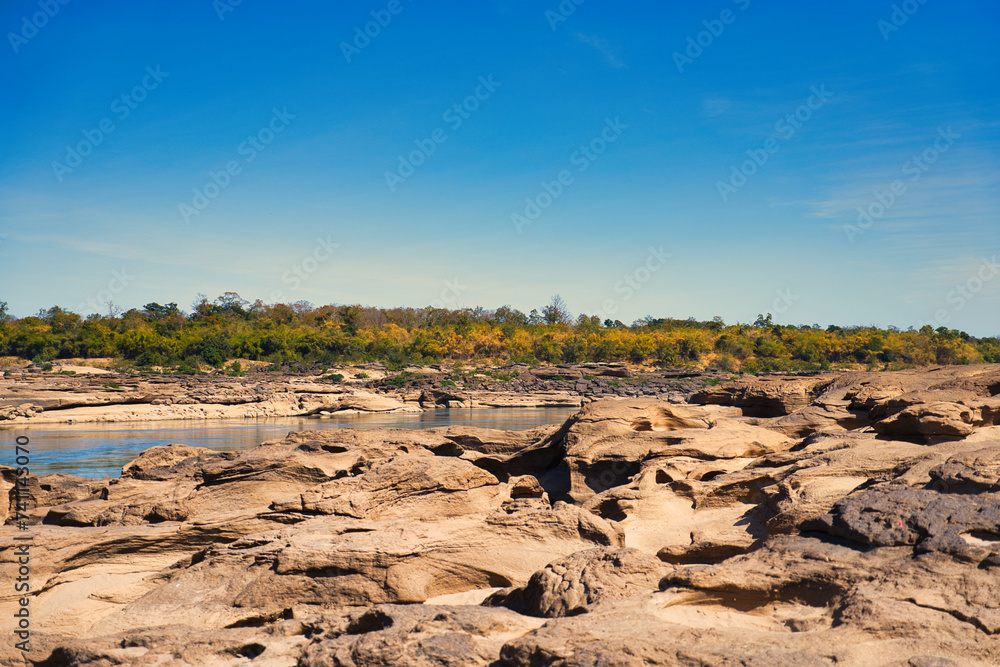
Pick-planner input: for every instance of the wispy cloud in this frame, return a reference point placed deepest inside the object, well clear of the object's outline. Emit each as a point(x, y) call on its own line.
point(115, 250)
point(953, 200)
point(716, 106)
point(605, 47)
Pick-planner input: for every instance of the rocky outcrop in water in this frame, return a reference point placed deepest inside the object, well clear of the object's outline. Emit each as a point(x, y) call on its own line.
point(838, 520)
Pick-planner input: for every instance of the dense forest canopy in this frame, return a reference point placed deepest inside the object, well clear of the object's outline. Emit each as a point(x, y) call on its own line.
point(230, 327)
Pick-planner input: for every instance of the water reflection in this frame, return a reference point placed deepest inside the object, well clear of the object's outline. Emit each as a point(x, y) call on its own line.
point(97, 450)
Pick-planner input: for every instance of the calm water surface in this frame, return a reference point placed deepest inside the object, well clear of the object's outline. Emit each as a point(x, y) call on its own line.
point(98, 450)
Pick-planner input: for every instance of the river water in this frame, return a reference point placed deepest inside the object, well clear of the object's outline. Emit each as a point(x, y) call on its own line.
point(101, 449)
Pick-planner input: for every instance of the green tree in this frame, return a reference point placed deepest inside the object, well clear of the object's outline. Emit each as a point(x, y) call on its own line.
point(556, 312)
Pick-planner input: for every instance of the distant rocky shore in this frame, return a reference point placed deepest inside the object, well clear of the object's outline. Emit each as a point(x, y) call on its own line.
point(830, 519)
point(76, 394)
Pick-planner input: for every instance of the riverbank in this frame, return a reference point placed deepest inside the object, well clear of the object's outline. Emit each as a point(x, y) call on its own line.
point(75, 394)
point(101, 449)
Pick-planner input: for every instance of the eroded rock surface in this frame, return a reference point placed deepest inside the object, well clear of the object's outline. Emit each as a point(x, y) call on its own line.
point(848, 519)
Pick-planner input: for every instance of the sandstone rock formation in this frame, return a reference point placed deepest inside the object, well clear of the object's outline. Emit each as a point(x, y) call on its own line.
point(832, 520)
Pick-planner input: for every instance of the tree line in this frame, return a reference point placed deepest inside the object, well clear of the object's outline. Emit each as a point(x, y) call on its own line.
point(229, 327)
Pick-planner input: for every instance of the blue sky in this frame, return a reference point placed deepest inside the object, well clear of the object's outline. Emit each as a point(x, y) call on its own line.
point(368, 185)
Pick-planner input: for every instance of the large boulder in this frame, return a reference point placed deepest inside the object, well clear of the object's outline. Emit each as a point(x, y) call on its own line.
point(572, 585)
point(931, 420)
point(765, 397)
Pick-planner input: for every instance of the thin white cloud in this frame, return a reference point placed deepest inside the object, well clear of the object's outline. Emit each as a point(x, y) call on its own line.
point(716, 106)
point(957, 194)
point(115, 250)
point(604, 47)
